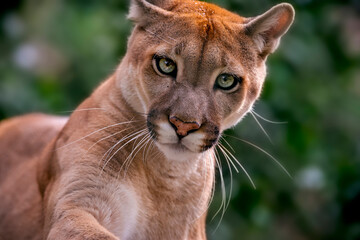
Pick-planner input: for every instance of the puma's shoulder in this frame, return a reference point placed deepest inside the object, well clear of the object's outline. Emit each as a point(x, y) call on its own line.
point(22, 140)
point(26, 136)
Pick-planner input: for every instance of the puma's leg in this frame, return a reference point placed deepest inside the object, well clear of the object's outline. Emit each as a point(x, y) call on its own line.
point(78, 225)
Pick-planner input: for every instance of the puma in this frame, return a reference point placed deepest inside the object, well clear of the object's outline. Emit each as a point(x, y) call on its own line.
point(136, 159)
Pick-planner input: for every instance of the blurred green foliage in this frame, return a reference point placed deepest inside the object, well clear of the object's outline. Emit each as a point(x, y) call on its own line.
point(53, 53)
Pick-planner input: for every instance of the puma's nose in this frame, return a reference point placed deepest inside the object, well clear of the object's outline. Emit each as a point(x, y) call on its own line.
point(183, 128)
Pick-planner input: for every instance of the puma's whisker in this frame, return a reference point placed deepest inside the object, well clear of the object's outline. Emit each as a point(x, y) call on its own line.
point(223, 194)
point(227, 143)
point(222, 183)
point(227, 158)
point(267, 120)
point(83, 110)
point(146, 147)
point(227, 152)
point(132, 137)
point(129, 137)
point(265, 152)
point(150, 148)
point(213, 161)
point(228, 161)
point(261, 127)
point(134, 152)
point(107, 137)
point(108, 152)
point(96, 131)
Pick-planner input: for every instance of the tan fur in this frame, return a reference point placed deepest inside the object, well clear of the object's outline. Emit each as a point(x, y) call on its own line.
point(58, 179)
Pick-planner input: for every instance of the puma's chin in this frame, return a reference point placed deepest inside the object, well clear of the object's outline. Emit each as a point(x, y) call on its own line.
point(177, 151)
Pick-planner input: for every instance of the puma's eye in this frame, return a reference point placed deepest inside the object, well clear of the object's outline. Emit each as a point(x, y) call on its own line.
point(227, 82)
point(165, 66)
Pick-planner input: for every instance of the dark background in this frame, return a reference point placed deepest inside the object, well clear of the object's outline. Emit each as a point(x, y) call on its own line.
point(53, 53)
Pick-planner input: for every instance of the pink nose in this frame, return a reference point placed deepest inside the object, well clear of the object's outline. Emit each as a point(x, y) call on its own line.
point(183, 128)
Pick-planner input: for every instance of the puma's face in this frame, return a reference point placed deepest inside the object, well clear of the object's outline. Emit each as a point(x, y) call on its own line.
point(194, 94)
point(196, 70)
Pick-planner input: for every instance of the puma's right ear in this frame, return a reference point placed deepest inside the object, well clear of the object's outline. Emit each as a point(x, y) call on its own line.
point(267, 29)
point(143, 12)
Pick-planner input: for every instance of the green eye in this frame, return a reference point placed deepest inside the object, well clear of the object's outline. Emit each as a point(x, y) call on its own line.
point(227, 82)
point(165, 66)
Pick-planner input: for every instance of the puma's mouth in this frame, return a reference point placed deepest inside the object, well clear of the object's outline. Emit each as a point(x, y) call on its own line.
point(177, 147)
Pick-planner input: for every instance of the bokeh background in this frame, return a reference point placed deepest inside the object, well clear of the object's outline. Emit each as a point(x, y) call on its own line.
point(53, 53)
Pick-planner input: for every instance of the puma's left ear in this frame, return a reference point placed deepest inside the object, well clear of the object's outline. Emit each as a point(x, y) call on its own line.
point(143, 12)
point(267, 29)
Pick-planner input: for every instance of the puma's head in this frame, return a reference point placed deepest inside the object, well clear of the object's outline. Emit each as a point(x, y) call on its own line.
point(196, 69)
